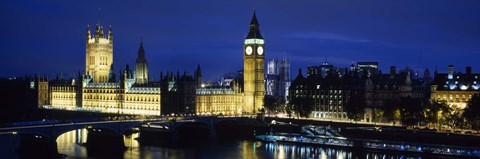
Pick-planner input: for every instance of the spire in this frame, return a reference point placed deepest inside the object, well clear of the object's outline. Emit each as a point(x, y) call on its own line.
point(141, 53)
point(111, 74)
point(254, 32)
point(89, 35)
point(299, 76)
point(99, 17)
point(198, 76)
point(199, 71)
point(254, 19)
point(110, 33)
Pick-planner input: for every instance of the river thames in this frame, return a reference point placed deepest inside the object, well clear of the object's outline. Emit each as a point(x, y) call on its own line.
point(71, 145)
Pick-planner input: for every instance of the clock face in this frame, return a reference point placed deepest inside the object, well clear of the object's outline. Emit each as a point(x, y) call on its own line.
point(260, 50)
point(249, 50)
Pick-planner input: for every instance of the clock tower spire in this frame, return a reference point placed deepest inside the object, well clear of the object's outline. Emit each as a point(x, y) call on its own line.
point(253, 67)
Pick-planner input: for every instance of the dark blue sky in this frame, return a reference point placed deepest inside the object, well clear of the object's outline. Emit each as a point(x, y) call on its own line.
point(48, 37)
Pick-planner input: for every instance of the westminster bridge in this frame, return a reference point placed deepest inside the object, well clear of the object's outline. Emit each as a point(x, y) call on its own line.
point(39, 137)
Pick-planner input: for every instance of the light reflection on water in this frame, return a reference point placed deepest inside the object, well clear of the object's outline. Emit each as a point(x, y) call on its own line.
point(71, 142)
point(281, 151)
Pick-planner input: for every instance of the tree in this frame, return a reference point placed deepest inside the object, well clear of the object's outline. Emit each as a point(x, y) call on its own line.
point(379, 115)
point(411, 111)
point(455, 119)
point(472, 112)
point(270, 103)
point(392, 110)
point(436, 113)
point(303, 106)
point(355, 106)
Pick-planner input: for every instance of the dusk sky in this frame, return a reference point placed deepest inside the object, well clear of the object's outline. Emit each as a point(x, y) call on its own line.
point(48, 37)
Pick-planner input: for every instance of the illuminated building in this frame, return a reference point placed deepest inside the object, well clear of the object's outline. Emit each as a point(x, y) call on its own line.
point(455, 88)
point(126, 96)
point(141, 67)
point(98, 90)
point(330, 94)
point(277, 79)
point(232, 99)
point(42, 90)
point(99, 54)
point(253, 68)
point(64, 93)
point(385, 90)
point(220, 100)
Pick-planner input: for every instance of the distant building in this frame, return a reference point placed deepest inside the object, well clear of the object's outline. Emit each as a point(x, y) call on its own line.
point(320, 71)
point(277, 79)
point(368, 68)
point(383, 90)
point(455, 88)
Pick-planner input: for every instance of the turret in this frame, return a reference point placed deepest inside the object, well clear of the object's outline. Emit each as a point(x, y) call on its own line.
point(89, 35)
point(451, 71)
point(426, 75)
point(111, 75)
point(408, 80)
point(141, 66)
point(393, 72)
point(110, 34)
point(352, 67)
point(198, 77)
point(99, 54)
point(127, 79)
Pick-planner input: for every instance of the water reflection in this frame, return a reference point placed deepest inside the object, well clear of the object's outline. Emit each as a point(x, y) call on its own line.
point(294, 151)
point(72, 144)
point(282, 151)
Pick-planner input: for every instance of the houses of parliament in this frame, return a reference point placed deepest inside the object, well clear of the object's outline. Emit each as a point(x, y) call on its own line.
point(97, 89)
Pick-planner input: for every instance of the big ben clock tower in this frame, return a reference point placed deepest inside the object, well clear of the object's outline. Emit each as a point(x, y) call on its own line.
point(253, 67)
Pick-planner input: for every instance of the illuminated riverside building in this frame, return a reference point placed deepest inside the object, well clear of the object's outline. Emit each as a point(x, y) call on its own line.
point(330, 94)
point(455, 88)
point(220, 100)
point(97, 89)
point(229, 100)
point(64, 93)
point(134, 93)
point(385, 90)
point(99, 54)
